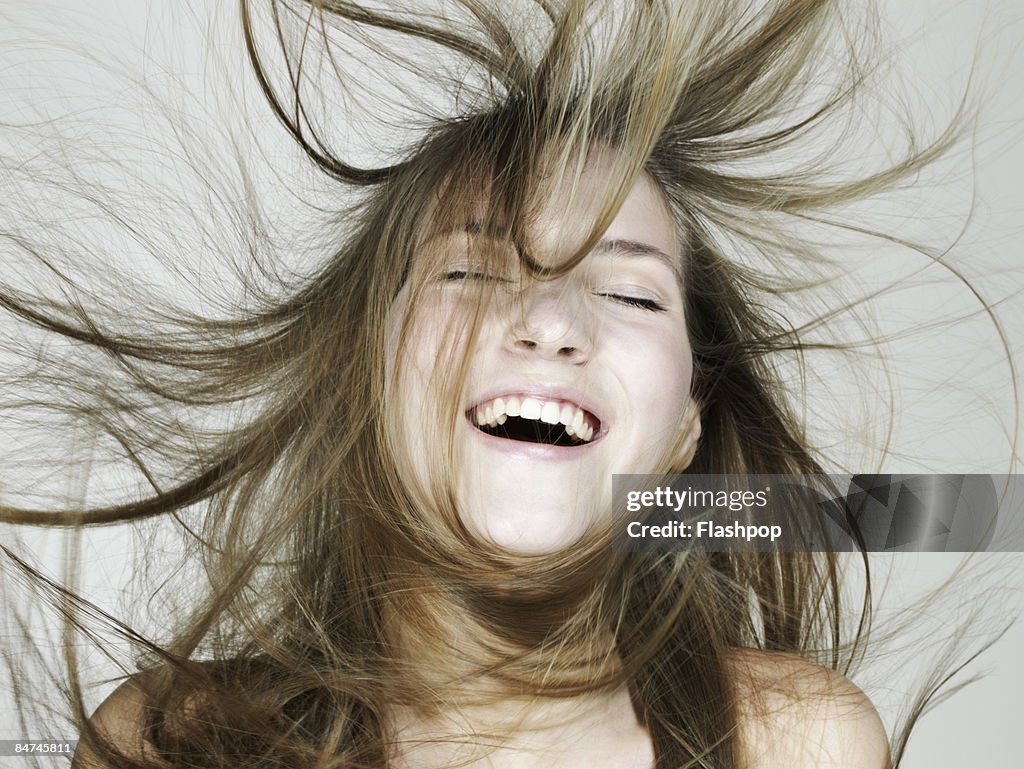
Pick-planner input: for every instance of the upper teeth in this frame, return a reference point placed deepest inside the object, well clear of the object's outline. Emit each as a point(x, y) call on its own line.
point(576, 421)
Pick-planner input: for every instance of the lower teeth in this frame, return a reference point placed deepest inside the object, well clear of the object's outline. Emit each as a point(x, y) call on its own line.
point(532, 431)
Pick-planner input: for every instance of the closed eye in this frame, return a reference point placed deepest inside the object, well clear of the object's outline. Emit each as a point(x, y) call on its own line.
point(639, 302)
point(457, 275)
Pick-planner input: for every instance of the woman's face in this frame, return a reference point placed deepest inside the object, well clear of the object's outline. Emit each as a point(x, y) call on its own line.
point(568, 381)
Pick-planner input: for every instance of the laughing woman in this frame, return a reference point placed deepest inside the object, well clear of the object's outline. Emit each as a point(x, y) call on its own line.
point(405, 519)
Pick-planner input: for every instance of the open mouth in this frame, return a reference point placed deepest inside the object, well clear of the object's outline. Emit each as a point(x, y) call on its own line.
point(535, 420)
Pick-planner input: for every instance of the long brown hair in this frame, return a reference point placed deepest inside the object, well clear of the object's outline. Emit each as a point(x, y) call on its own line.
point(300, 510)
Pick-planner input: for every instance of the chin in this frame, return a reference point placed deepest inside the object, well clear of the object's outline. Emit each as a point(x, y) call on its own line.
point(536, 533)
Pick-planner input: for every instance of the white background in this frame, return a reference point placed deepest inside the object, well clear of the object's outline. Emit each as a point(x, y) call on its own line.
point(59, 57)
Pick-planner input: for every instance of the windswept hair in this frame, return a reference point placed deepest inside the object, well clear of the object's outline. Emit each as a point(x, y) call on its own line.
point(298, 506)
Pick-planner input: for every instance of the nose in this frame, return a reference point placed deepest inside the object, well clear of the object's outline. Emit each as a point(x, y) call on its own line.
point(550, 320)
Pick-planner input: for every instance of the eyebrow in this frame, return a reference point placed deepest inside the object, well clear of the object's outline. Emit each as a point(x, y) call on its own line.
point(605, 246)
point(620, 247)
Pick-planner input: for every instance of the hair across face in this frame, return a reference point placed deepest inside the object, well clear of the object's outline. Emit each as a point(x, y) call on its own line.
point(559, 380)
point(508, 321)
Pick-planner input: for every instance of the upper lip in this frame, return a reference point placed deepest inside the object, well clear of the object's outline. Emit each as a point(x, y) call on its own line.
point(570, 394)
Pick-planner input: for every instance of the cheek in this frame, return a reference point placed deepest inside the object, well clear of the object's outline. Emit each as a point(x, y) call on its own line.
point(660, 370)
point(412, 346)
point(408, 369)
point(396, 319)
point(425, 352)
point(661, 366)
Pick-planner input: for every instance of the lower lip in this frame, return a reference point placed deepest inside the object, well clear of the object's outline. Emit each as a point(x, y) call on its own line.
point(527, 450)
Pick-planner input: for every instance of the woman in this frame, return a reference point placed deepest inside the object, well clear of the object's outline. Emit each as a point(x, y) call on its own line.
point(406, 529)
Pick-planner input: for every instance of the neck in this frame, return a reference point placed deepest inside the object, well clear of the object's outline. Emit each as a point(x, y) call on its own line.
point(598, 729)
point(480, 701)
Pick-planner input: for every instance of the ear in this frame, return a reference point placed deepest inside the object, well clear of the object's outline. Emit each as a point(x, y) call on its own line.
point(691, 425)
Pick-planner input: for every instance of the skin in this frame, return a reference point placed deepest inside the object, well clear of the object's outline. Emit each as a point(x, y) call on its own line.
point(585, 333)
point(610, 336)
point(632, 366)
point(793, 715)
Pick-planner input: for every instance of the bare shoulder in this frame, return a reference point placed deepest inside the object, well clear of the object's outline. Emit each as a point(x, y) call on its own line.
point(120, 720)
point(176, 699)
point(796, 714)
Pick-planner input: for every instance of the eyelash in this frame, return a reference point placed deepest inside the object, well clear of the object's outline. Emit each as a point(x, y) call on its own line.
point(641, 303)
point(456, 275)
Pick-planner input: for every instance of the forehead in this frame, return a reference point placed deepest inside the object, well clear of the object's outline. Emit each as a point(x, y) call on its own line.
point(562, 212)
point(572, 205)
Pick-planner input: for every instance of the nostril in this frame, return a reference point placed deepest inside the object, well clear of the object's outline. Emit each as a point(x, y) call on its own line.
point(567, 351)
point(527, 343)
